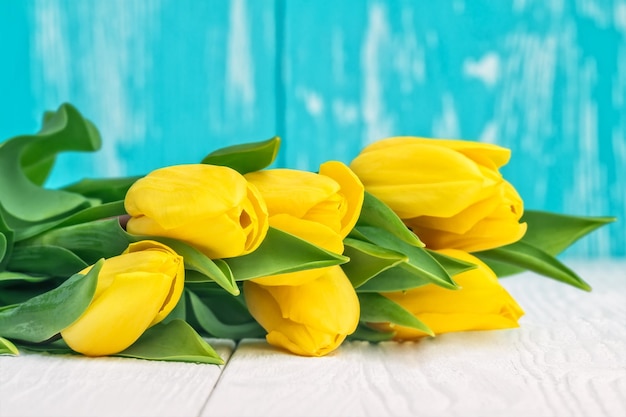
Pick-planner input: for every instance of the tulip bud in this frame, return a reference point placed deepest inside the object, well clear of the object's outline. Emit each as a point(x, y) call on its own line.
point(449, 192)
point(312, 319)
point(320, 208)
point(480, 304)
point(212, 208)
point(135, 290)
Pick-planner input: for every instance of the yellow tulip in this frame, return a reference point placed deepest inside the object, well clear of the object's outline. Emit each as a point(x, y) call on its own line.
point(320, 208)
point(481, 303)
point(212, 208)
point(449, 192)
point(312, 319)
point(135, 290)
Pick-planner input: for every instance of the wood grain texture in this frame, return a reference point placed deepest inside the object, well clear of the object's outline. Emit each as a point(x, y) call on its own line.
point(169, 81)
point(66, 386)
point(568, 358)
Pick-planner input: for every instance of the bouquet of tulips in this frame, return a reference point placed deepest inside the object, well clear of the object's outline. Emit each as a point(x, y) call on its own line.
point(407, 241)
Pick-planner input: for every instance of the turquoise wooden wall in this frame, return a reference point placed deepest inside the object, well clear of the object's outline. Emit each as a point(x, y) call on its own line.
point(167, 81)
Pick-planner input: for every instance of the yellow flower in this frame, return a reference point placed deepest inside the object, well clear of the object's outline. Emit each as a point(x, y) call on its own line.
point(481, 303)
point(212, 208)
point(312, 319)
point(449, 192)
point(320, 208)
point(135, 290)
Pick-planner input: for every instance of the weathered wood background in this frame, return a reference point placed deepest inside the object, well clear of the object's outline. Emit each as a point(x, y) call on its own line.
point(167, 81)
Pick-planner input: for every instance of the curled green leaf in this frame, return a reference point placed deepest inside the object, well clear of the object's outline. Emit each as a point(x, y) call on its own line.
point(41, 317)
point(279, 253)
point(247, 157)
point(174, 341)
point(376, 308)
point(26, 201)
point(528, 257)
point(7, 347)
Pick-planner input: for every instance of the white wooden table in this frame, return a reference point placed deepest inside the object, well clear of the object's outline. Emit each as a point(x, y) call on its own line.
point(568, 358)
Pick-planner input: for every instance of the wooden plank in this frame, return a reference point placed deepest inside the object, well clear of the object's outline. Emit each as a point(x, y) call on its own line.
point(545, 79)
point(567, 359)
point(49, 385)
point(165, 82)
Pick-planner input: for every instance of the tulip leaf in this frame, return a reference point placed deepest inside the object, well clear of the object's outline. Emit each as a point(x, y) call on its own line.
point(106, 190)
point(247, 157)
point(6, 347)
point(397, 278)
point(279, 253)
point(6, 241)
point(375, 213)
point(25, 201)
point(211, 324)
point(363, 332)
point(454, 266)
point(528, 257)
point(553, 233)
point(420, 260)
point(90, 241)
point(41, 317)
point(4, 244)
point(367, 260)
point(175, 341)
point(549, 232)
point(376, 308)
point(216, 270)
point(10, 277)
point(48, 260)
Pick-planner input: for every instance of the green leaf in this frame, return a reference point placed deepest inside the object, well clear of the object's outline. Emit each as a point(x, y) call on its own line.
point(41, 317)
point(363, 332)
point(89, 214)
point(375, 213)
point(10, 277)
point(279, 253)
point(528, 257)
point(4, 244)
point(175, 341)
point(106, 238)
point(420, 260)
point(6, 347)
point(53, 261)
point(367, 260)
point(6, 241)
point(553, 233)
point(90, 241)
point(106, 190)
point(376, 308)
point(209, 322)
point(25, 201)
point(215, 270)
point(247, 157)
point(398, 278)
point(452, 265)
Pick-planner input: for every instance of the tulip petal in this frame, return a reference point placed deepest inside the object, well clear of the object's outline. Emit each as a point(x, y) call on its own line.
point(182, 194)
point(351, 188)
point(316, 233)
point(422, 180)
point(477, 151)
point(117, 318)
point(167, 262)
point(311, 319)
point(291, 191)
point(481, 303)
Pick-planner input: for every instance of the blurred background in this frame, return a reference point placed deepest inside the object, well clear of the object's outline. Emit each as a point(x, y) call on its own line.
point(168, 81)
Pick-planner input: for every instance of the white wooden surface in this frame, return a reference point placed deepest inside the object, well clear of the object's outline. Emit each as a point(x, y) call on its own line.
point(568, 358)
